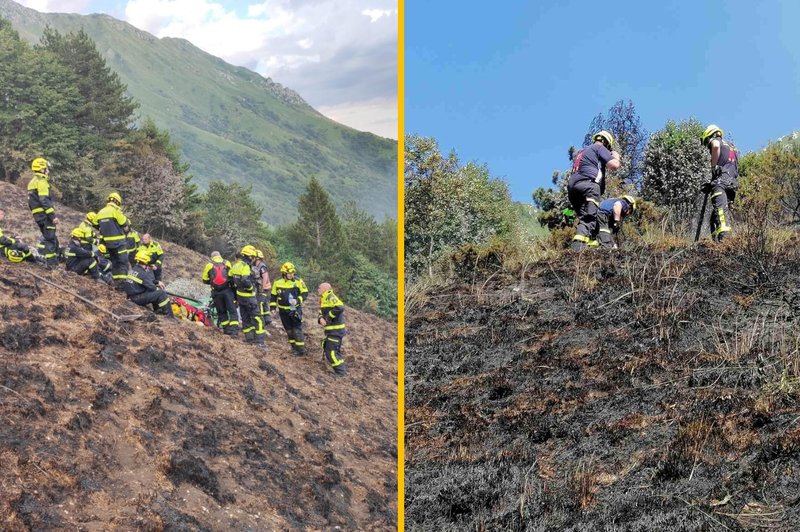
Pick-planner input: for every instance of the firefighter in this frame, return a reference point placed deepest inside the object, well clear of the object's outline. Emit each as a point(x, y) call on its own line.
point(13, 250)
point(113, 226)
point(103, 264)
point(79, 255)
point(331, 317)
point(156, 253)
point(241, 274)
point(264, 286)
point(288, 294)
point(217, 275)
point(41, 205)
point(88, 228)
point(132, 241)
point(141, 286)
point(724, 175)
point(588, 182)
point(609, 218)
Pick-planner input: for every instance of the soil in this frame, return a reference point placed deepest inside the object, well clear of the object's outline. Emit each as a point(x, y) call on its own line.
point(650, 389)
point(160, 424)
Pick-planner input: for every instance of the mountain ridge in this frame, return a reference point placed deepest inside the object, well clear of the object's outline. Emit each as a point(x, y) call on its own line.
point(233, 124)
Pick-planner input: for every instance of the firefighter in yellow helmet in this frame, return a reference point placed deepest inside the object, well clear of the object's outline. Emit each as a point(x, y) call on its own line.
point(11, 248)
point(288, 294)
point(44, 214)
point(331, 317)
point(132, 242)
point(588, 182)
point(113, 227)
point(141, 288)
point(102, 260)
point(80, 256)
point(242, 276)
point(724, 175)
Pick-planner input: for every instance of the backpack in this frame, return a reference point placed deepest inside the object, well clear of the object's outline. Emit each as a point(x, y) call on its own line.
point(219, 276)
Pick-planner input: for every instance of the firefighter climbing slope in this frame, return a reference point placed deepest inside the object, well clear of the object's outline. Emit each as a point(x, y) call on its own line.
point(588, 183)
point(288, 294)
point(722, 187)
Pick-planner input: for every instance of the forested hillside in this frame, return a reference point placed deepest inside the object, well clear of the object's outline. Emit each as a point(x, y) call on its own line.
point(61, 100)
point(232, 124)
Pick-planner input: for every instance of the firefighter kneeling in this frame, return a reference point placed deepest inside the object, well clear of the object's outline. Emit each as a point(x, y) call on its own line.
point(142, 289)
point(80, 257)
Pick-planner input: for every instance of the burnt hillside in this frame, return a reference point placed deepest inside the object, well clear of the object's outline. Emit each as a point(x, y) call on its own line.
point(650, 389)
point(166, 425)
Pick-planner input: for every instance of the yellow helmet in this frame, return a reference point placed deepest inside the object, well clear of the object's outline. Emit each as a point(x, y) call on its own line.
point(14, 255)
point(39, 164)
point(115, 197)
point(91, 217)
point(102, 249)
point(604, 136)
point(142, 256)
point(77, 233)
point(248, 251)
point(631, 200)
point(287, 267)
point(711, 131)
point(260, 254)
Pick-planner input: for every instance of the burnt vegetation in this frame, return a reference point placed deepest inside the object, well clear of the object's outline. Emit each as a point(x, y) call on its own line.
point(167, 425)
point(652, 388)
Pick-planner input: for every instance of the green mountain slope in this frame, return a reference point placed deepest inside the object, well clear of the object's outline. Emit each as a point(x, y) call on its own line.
point(233, 124)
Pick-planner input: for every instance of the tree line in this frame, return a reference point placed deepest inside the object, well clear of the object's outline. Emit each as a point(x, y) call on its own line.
point(60, 100)
point(450, 205)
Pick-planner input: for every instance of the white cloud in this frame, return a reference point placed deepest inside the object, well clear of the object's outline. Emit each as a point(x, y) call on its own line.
point(56, 6)
point(339, 55)
point(208, 25)
point(376, 14)
point(378, 115)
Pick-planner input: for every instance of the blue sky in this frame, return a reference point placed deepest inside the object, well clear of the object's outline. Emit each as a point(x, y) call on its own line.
point(514, 85)
point(339, 55)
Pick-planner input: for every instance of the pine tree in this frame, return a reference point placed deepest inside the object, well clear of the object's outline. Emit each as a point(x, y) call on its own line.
point(318, 231)
point(105, 112)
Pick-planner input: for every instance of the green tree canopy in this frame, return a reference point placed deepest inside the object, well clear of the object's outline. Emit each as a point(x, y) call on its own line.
point(448, 205)
point(675, 166)
point(318, 231)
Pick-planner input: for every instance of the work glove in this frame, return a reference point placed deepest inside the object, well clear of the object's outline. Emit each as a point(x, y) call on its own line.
point(706, 188)
point(716, 171)
point(616, 225)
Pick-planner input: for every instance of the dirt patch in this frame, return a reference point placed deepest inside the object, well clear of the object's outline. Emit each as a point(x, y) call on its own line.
point(164, 425)
point(635, 392)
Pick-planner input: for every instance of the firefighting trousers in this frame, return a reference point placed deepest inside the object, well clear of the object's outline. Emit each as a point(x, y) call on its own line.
point(227, 318)
point(293, 325)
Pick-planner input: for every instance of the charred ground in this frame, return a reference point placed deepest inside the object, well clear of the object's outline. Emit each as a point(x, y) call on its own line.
point(650, 389)
point(167, 425)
